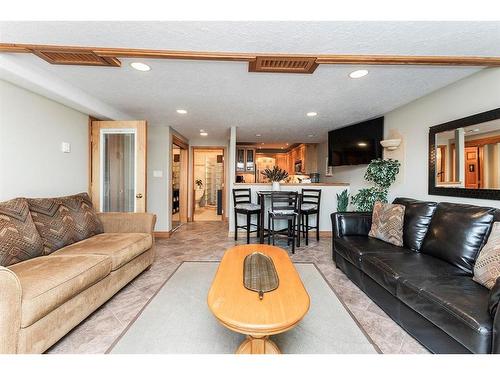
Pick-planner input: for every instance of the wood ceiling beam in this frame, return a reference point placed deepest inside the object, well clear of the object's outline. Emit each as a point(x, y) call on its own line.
point(408, 60)
point(492, 61)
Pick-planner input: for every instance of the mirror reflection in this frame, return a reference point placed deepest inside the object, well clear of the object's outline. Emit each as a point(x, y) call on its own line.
point(469, 157)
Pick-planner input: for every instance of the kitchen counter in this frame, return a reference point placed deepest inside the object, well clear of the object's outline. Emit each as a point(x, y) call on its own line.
point(284, 184)
point(328, 204)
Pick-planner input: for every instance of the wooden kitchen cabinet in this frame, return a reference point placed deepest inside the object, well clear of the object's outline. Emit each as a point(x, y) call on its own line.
point(245, 159)
point(282, 161)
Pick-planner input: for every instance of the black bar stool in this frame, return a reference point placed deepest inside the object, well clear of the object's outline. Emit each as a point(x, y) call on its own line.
point(283, 207)
point(309, 205)
point(242, 200)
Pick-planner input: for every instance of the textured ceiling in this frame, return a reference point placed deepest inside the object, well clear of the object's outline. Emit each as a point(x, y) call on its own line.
point(218, 95)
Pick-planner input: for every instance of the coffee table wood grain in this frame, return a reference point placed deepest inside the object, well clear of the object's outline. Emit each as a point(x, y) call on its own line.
point(241, 310)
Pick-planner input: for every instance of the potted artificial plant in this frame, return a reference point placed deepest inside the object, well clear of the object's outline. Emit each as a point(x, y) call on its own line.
point(275, 175)
point(382, 173)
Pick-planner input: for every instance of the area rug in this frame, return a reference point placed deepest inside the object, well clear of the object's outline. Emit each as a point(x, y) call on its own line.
point(178, 321)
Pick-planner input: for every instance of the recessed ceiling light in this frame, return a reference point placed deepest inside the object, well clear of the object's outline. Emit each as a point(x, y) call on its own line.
point(358, 73)
point(204, 134)
point(311, 135)
point(258, 135)
point(477, 129)
point(362, 144)
point(181, 111)
point(311, 114)
point(286, 144)
point(262, 143)
point(140, 66)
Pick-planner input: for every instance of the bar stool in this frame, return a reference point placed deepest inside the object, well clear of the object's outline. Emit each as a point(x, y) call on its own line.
point(283, 207)
point(309, 205)
point(242, 200)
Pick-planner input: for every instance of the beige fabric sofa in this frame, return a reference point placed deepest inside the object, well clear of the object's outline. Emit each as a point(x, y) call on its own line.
point(43, 298)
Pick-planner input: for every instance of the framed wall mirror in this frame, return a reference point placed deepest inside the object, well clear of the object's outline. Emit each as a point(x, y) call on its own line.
point(464, 157)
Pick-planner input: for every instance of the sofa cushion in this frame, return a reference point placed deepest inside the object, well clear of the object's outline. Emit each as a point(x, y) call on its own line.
point(354, 248)
point(387, 223)
point(487, 266)
point(455, 304)
point(64, 220)
point(48, 282)
point(387, 269)
point(418, 215)
point(457, 232)
point(494, 298)
point(19, 238)
point(120, 247)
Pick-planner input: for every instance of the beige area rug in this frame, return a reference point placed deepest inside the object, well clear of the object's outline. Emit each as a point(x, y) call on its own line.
point(178, 320)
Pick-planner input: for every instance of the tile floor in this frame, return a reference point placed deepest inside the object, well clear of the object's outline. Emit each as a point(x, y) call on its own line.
point(208, 241)
point(207, 213)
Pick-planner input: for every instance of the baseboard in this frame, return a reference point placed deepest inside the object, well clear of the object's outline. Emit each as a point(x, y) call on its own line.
point(163, 234)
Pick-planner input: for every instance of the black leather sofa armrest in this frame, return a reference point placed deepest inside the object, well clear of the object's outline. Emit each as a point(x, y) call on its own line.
point(351, 223)
point(494, 309)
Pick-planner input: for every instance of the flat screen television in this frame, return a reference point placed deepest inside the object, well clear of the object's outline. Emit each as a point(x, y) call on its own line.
point(356, 144)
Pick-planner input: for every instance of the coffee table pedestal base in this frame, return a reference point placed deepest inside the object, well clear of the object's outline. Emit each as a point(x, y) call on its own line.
point(258, 345)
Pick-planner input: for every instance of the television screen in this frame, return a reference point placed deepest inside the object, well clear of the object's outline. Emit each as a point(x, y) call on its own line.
point(356, 144)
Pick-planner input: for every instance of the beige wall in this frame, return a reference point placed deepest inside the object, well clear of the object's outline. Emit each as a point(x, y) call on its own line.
point(32, 129)
point(474, 94)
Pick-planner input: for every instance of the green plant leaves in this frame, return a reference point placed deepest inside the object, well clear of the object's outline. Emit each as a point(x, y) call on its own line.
point(276, 174)
point(382, 173)
point(342, 201)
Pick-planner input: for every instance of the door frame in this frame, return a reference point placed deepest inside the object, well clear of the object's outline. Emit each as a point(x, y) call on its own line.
point(184, 179)
point(224, 174)
point(95, 149)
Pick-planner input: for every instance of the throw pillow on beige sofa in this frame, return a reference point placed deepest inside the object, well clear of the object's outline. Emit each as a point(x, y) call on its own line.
point(64, 220)
point(19, 238)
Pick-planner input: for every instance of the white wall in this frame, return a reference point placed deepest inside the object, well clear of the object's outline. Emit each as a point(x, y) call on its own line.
point(477, 93)
point(32, 128)
point(159, 150)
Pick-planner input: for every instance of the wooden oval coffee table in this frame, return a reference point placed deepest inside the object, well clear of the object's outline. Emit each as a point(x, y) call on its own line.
point(241, 310)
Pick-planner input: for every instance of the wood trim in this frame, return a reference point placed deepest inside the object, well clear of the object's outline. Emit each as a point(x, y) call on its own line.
point(162, 234)
point(482, 141)
point(179, 142)
point(184, 178)
point(89, 158)
point(112, 54)
point(408, 60)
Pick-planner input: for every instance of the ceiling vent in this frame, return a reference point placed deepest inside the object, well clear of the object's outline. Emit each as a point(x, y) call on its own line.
point(283, 64)
point(75, 57)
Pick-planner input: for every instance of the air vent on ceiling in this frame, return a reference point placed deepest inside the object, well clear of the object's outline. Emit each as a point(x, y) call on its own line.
point(75, 57)
point(283, 64)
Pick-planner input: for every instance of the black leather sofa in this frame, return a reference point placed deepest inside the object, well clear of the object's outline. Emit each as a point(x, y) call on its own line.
point(426, 286)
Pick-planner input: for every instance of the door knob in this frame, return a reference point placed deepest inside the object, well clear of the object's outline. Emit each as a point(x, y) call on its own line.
point(138, 195)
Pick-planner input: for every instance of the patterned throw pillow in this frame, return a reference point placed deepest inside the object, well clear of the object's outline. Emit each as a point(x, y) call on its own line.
point(19, 239)
point(487, 267)
point(387, 223)
point(64, 220)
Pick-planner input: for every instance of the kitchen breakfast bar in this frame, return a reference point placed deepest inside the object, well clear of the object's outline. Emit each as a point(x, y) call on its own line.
point(328, 204)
